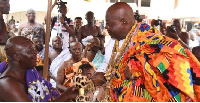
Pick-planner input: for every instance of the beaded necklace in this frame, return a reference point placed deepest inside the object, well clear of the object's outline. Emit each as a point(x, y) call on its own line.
point(114, 63)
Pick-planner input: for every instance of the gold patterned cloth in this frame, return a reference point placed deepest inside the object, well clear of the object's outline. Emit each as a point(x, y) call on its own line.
point(162, 70)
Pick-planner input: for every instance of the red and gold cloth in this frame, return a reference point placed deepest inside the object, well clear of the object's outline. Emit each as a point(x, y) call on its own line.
point(163, 69)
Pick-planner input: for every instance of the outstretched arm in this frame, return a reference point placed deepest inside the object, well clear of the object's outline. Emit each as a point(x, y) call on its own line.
point(60, 79)
point(69, 29)
point(80, 35)
point(14, 91)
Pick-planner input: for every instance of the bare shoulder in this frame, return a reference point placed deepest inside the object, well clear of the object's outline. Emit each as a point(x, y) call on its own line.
point(23, 25)
point(82, 27)
point(39, 25)
point(51, 53)
point(67, 63)
point(64, 65)
point(12, 90)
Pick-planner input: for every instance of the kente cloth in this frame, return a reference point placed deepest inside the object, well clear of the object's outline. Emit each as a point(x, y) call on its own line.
point(71, 71)
point(39, 61)
point(39, 89)
point(30, 31)
point(98, 59)
point(57, 62)
point(163, 70)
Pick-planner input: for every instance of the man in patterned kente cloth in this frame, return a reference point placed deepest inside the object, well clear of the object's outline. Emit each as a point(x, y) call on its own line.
point(149, 66)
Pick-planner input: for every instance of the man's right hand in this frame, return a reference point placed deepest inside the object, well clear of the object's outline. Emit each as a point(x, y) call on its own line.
point(70, 94)
point(89, 46)
point(98, 78)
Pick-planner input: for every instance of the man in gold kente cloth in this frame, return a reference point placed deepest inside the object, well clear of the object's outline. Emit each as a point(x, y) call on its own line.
point(145, 65)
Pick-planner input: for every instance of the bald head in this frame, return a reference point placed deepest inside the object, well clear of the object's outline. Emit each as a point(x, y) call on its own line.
point(73, 44)
point(76, 50)
point(30, 14)
point(16, 43)
point(30, 10)
point(120, 10)
point(119, 20)
point(57, 43)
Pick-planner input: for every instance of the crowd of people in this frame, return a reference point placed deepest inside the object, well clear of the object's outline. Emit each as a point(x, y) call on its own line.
point(141, 63)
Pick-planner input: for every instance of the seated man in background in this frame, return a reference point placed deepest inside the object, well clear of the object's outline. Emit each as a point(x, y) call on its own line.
point(102, 41)
point(72, 38)
point(92, 52)
point(21, 83)
point(76, 51)
point(39, 45)
point(56, 57)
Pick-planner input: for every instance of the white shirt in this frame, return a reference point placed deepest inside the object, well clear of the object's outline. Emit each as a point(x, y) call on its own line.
point(108, 53)
point(57, 62)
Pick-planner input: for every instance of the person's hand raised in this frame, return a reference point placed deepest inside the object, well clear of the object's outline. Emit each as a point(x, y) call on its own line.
point(55, 2)
point(62, 20)
point(89, 46)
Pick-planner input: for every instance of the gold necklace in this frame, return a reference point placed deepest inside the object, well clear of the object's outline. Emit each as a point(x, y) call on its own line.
point(115, 62)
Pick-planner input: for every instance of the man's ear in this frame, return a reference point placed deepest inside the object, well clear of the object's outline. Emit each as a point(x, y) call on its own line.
point(16, 57)
point(123, 22)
